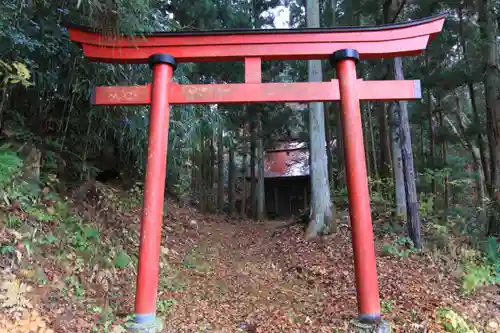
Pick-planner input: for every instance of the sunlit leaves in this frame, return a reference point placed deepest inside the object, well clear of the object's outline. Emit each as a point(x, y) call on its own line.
point(14, 73)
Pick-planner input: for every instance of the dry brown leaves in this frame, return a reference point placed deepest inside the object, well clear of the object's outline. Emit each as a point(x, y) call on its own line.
point(272, 282)
point(235, 275)
point(18, 314)
point(30, 322)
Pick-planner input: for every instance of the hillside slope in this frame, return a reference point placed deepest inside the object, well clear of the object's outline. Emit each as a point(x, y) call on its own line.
point(70, 267)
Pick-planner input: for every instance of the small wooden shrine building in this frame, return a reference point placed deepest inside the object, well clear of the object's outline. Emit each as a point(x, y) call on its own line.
point(286, 179)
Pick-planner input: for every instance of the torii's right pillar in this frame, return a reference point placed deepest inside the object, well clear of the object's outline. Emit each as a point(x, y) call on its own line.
point(357, 185)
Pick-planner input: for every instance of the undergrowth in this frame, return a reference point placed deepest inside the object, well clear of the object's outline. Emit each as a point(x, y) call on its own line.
point(41, 225)
point(454, 237)
point(454, 323)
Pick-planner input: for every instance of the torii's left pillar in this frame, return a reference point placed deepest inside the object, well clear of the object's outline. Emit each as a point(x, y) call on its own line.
point(163, 66)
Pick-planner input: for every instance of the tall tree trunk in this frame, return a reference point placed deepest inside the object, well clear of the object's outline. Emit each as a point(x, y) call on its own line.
point(364, 115)
point(220, 169)
point(399, 177)
point(491, 78)
point(195, 177)
point(205, 170)
point(469, 145)
point(253, 163)
point(321, 206)
point(432, 140)
point(231, 195)
point(260, 175)
point(444, 157)
point(372, 141)
point(366, 140)
point(473, 99)
point(328, 139)
point(212, 171)
point(413, 218)
point(339, 149)
point(479, 139)
point(385, 157)
point(329, 107)
point(422, 141)
point(244, 169)
point(431, 160)
point(3, 106)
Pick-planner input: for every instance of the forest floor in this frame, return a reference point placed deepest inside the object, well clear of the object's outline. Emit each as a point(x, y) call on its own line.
point(71, 269)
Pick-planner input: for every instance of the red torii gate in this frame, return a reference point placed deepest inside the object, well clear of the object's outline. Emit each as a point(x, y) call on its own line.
point(343, 46)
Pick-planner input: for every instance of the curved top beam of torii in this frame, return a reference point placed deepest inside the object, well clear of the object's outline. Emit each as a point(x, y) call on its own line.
point(383, 41)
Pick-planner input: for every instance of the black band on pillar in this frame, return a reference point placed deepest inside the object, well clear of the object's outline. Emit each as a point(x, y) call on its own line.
point(162, 58)
point(343, 55)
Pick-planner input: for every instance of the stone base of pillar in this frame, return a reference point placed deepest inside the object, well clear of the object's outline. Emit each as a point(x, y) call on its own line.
point(377, 327)
point(155, 327)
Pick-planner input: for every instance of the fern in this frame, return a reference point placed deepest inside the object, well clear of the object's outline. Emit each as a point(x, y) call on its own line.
point(10, 164)
point(478, 275)
point(453, 322)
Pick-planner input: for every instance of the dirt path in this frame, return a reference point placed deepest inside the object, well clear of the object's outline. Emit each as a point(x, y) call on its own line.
point(247, 275)
point(221, 274)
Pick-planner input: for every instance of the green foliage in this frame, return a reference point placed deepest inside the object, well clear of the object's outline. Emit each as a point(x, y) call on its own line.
point(165, 306)
point(122, 260)
point(14, 73)
point(492, 250)
point(382, 194)
point(83, 237)
point(40, 213)
point(48, 239)
point(5, 249)
point(10, 165)
point(387, 306)
point(453, 322)
point(105, 319)
point(426, 205)
point(74, 287)
point(14, 222)
point(401, 247)
point(478, 275)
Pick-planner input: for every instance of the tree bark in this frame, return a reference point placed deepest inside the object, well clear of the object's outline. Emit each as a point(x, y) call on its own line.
point(372, 141)
point(232, 180)
point(244, 194)
point(328, 138)
point(212, 171)
point(3, 103)
point(397, 158)
point(260, 172)
point(413, 217)
point(444, 158)
point(432, 140)
point(473, 99)
point(205, 180)
point(321, 206)
point(253, 163)
point(492, 75)
point(469, 145)
point(385, 157)
point(329, 107)
point(366, 140)
point(220, 169)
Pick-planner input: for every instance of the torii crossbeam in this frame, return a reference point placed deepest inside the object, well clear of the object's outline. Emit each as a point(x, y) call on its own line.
point(343, 46)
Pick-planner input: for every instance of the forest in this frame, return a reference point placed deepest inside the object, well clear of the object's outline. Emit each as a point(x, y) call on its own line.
point(243, 250)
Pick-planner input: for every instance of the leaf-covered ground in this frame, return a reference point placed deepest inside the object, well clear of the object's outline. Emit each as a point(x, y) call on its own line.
point(221, 274)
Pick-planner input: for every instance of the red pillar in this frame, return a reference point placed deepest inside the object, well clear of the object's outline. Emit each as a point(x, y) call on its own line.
point(357, 186)
point(152, 216)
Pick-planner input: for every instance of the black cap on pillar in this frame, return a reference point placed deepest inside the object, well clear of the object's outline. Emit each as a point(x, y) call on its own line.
point(343, 55)
point(162, 58)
